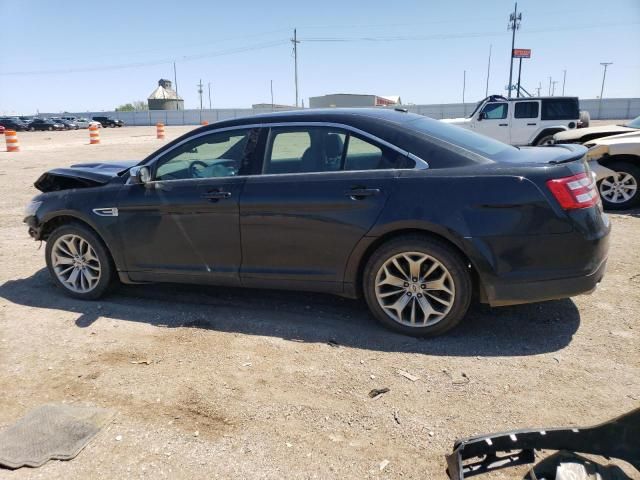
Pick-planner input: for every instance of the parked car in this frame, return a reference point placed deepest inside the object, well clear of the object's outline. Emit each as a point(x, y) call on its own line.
point(618, 157)
point(26, 120)
point(68, 125)
point(12, 123)
point(82, 122)
point(413, 214)
point(522, 121)
point(109, 121)
point(587, 134)
point(44, 124)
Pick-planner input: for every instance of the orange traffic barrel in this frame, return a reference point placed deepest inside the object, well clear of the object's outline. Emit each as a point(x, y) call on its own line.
point(94, 135)
point(204, 122)
point(11, 138)
point(160, 131)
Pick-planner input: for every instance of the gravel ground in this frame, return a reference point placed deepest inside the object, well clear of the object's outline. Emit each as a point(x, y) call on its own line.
point(229, 383)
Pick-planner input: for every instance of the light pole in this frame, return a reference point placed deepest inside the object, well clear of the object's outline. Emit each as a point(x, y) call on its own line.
point(604, 75)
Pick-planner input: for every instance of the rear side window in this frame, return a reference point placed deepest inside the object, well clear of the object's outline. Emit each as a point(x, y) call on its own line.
point(526, 110)
point(322, 149)
point(560, 109)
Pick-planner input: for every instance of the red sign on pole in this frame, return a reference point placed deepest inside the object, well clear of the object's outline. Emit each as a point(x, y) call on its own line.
point(521, 53)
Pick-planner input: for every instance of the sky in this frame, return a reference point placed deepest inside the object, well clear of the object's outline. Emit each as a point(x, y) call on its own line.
point(75, 56)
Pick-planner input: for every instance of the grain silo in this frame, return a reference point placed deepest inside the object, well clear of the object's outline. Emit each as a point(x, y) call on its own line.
point(165, 97)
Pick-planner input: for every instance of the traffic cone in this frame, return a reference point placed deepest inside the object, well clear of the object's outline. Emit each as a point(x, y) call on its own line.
point(160, 131)
point(11, 138)
point(94, 135)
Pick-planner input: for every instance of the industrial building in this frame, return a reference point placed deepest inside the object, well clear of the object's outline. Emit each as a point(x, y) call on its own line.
point(165, 97)
point(353, 100)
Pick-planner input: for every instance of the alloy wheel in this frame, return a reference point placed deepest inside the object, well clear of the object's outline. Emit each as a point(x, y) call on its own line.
point(75, 263)
point(618, 188)
point(414, 289)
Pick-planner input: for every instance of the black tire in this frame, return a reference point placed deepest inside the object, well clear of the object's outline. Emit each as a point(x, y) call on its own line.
point(446, 256)
point(106, 278)
point(545, 140)
point(627, 168)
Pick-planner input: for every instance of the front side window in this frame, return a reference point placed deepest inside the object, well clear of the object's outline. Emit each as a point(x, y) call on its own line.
point(325, 149)
point(219, 154)
point(495, 111)
point(526, 110)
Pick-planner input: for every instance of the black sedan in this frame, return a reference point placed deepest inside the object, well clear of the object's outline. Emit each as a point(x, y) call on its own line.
point(11, 123)
point(415, 215)
point(45, 124)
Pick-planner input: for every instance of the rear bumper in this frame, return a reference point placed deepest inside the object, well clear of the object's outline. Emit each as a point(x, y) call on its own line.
point(513, 293)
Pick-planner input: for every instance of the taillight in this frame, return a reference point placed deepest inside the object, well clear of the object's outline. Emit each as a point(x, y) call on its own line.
point(576, 191)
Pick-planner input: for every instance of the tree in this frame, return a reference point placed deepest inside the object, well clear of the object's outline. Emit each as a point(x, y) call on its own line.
point(138, 105)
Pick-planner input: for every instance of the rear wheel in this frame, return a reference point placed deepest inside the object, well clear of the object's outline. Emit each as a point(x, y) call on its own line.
point(79, 262)
point(417, 285)
point(622, 190)
point(546, 140)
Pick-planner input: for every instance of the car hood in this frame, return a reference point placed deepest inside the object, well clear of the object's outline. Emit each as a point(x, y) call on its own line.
point(603, 130)
point(628, 137)
point(81, 175)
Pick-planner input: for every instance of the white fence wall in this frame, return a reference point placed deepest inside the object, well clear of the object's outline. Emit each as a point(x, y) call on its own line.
point(609, 108)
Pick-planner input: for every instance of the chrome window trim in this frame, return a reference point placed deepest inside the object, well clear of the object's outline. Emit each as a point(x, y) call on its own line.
point(420, 163)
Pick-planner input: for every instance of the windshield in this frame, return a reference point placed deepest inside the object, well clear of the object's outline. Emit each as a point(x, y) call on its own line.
point(635, 123)
point(460, 137)
point(476, 109)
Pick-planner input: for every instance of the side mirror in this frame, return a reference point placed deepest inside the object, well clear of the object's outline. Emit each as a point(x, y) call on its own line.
point(482, 116)
point(139, 175)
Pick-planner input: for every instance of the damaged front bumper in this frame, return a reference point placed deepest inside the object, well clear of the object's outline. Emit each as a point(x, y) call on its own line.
point(618, 438)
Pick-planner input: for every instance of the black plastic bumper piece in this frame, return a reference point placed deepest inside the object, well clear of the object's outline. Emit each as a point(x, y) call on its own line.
point(618, 438)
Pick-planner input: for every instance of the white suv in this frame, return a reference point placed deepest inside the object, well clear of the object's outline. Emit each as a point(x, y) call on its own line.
point(522, 121)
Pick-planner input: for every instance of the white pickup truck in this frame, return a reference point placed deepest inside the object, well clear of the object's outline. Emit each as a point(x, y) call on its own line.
point(522, 121)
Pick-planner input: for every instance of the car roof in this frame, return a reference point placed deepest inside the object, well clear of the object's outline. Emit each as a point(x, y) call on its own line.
point(341, 115)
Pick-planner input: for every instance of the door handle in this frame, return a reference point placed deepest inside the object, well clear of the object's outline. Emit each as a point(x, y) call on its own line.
point(503, 124)
point(216, 195)
point(531, 124)
point(358, 193)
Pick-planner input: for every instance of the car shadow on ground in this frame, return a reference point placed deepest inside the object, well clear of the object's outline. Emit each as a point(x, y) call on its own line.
point(306, 317)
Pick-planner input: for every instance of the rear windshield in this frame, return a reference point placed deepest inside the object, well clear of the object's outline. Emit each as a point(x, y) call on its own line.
point(460, 137)
point(560, 109)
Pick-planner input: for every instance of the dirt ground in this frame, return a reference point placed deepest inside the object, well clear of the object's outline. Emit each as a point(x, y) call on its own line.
point(229, 383)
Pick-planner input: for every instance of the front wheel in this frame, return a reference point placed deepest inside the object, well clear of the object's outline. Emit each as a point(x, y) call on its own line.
point(417, 285)
point(79, 262)
point(621, 191)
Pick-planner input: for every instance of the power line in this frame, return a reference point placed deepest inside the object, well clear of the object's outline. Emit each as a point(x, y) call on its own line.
point(186, 58)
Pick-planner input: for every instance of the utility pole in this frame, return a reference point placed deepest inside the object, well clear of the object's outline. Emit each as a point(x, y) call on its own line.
point(604, 75)
point(553, 88)
point(200, 93)
point(539, 88)
point(564, 80)
point(464, 83)
point(519, 74)
point(209, 85)
point(295, 42)
point(175, 82)
point(549, 86)
point(272, 107)
point(514, 24)
point(486, 89)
